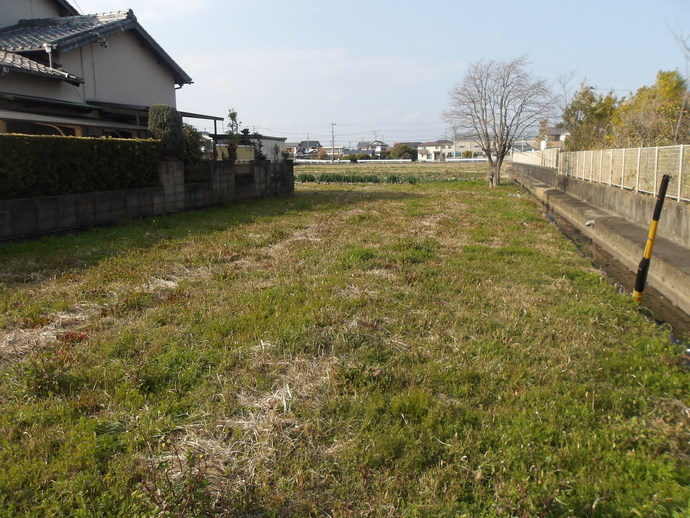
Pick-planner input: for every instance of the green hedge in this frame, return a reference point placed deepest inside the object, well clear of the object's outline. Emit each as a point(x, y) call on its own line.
point(353, 178)
point(33, 166)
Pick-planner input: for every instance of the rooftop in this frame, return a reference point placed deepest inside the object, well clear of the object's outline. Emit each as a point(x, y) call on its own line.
point(70, 32)
point(10, 61)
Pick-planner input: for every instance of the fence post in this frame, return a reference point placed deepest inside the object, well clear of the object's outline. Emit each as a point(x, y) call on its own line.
point(637, 176)
point(610, 167)
point(601, 165)
point(581, 157)
point(656, 168)
point(680, 172)
point(576, 156)
point(623, 170)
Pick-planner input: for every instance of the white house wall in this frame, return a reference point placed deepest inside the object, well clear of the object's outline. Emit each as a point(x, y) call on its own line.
point(123, 72)
point(23, 84)
point(11, 11)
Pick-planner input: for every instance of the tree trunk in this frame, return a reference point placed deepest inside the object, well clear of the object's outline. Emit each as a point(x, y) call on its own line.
point(495, 177)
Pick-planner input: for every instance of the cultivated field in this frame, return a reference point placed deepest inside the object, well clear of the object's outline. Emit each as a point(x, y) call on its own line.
point(427, 349)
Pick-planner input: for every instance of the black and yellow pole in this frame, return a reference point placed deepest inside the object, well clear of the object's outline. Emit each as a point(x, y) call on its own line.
point(643, 268)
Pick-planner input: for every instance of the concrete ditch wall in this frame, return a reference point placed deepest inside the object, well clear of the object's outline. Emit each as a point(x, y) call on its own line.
point(35, 217)
point(618, 221)
point(634, 207)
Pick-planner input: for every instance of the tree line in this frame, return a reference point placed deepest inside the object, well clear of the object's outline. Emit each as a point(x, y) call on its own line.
point(657, 115)
point(498, 102)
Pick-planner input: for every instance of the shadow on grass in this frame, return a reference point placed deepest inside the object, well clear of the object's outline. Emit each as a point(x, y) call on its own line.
point(32, 261)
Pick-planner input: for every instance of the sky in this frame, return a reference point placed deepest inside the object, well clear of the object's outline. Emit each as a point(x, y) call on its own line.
point(382, 69)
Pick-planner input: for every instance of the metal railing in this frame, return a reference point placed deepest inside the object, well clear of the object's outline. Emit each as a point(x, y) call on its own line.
point(634, 169)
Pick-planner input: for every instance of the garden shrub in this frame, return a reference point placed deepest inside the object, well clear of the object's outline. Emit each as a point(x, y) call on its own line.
point(192, 144)
point(165, 124)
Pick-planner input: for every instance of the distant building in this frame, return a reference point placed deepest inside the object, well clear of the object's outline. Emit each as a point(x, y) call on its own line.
point(291, 148)
point(308, 147)
point(374, 147)
point(435, 151)
point(440, 150)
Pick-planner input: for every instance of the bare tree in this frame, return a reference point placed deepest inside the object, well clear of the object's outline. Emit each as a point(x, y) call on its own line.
point(495, 103)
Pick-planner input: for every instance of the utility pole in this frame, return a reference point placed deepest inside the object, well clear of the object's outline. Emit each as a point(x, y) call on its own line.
point(332, 141)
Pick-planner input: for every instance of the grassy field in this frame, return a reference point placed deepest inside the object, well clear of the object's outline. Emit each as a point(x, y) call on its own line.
point(415, 171)
point(435, 349)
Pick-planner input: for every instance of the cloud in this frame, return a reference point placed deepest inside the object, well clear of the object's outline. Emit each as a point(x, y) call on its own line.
point(310, 84)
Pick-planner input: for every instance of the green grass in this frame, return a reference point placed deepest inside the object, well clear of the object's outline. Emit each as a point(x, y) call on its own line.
point(435, 349)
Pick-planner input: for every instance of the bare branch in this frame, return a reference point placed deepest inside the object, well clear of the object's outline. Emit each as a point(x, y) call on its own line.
point(497, 102)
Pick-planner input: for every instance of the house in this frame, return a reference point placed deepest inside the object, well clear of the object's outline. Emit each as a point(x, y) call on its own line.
point(435, 151)
point(64, 73)
point(374, 147)
point(308, 147)
point(291, 148)
point(440, 150)
point(334, 151)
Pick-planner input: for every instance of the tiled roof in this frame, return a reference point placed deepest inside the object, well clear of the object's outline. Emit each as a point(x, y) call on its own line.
point(64, 33)
point(14, 62)
point(70, 32)
point(437, 143)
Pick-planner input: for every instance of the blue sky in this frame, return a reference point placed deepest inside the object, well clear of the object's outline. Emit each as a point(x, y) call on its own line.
point(383, 68)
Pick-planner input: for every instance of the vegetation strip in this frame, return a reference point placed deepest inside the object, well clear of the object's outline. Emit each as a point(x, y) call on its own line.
point(435, 349)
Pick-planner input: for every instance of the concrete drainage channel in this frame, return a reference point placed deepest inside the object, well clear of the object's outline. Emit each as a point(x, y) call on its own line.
point(654, 305)
point(616, 245)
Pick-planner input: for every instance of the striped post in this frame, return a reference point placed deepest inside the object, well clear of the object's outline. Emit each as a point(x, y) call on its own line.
point(643, 268)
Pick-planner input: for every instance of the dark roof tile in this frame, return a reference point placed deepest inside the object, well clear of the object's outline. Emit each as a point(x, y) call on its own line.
point(69, 32)
point(63, 33)
point(14, 62)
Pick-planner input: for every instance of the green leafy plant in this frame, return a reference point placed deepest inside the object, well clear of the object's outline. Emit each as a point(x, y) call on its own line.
point(165, 125)
point(175, 483)
point(48, 166)
point(192, 144)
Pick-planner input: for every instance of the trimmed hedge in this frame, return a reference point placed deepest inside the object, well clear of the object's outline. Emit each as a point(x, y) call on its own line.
point(33, 166)
point(352, 178)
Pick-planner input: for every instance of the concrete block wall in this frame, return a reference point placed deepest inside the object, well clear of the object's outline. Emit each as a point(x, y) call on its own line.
point(35, 217)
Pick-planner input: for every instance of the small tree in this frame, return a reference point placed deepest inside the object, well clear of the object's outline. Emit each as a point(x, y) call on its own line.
point(233, 123)
point(656, 115)
point(233, 133)
point(165, 124)
point(496, 103)
point(404, 151)
point(192, 144)
point(589, 118)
